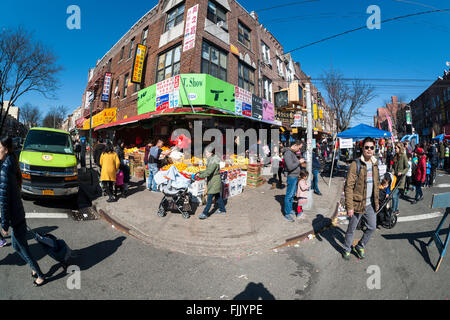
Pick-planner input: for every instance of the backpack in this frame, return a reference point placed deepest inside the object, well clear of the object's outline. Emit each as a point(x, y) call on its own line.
point(358, 170)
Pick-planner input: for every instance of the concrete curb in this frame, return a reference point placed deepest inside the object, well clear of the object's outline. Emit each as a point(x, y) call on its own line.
point(225, 251)
point(311, 234)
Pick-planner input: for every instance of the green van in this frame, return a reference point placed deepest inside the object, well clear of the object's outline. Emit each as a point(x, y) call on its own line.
point(48, 164)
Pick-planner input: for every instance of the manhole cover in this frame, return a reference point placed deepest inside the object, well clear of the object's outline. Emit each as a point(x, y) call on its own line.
point(84, 214)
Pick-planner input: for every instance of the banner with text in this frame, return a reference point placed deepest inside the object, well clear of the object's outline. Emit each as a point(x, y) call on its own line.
point(106, 87)
point(191, 28)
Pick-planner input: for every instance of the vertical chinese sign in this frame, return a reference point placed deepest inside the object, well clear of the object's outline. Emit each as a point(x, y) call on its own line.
point(138, 64)
point(106, 87)
point(191, 28)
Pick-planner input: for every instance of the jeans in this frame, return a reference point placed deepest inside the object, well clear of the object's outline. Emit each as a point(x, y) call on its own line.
point(419, 192)
point(290, 193)
point(209, 201)
point(370, 219)
point(395, 197)
point(20, 244)
point(315, 182)
point(153, 170)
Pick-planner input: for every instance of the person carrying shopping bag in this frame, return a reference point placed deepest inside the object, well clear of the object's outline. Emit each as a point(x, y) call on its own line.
point(110, 163)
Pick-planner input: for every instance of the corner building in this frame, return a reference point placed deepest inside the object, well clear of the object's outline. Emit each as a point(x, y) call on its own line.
point(230, 45)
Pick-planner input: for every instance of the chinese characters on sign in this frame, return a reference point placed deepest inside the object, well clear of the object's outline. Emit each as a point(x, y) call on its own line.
point(106, 87)
point(138, 64)
point(243, 100)
point(191, 28)
point(168, 93)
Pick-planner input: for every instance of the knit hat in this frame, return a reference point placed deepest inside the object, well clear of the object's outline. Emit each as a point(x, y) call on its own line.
point(419, 151)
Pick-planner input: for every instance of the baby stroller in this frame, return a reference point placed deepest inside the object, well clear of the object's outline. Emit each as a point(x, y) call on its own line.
point(385, 215)
point(175, 199)
point(176, 193)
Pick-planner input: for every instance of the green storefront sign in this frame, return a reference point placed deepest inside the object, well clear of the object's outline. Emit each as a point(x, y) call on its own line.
point(195, 89)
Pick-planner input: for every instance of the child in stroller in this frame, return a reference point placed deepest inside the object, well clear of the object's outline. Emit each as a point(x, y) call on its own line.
point(385, 215)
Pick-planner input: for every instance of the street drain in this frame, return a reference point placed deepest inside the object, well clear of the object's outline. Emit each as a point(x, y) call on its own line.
point(85, 214)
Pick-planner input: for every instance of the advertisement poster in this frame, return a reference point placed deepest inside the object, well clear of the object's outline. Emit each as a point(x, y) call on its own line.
point(106, 87)
point(345, 143)
point(138, 64)
point(246, 109)
point(168, 93)
point(191, 28)
point(257, 107)
point(243, 100)
point(268, 111)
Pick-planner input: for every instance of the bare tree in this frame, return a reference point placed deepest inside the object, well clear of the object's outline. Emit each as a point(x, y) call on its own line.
point(55, 117)
point(346, 101)
point(30, 116)
point(25, 65)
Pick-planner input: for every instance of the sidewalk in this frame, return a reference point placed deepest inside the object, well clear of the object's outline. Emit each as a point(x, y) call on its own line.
point(253, 224)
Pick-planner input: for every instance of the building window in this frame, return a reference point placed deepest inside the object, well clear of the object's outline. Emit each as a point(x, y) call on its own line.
point(174, 17)
point(246, 78)
point(130, 53)
point(265, 51)
point(168, 64)
point(121, 53)
point(116, 90)
point(137, 87)
point(125, 86)
point(216, 13)
point(244, 35)
point(267, 89)
point(144, 36)
point(280, 67)
point(214, 61)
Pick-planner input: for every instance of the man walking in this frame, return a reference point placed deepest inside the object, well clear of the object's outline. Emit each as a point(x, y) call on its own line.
point(293, 168)
point(361, 198)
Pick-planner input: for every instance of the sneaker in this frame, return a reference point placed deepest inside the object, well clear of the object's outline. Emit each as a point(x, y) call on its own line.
point(299, 214)
point(202, 216)
point(2, 243)
point(360, 252)
point(289, 218)
point(221, 212)
point(346, 255)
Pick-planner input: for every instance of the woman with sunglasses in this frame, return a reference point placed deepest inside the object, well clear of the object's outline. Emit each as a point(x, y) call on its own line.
point(400, 169)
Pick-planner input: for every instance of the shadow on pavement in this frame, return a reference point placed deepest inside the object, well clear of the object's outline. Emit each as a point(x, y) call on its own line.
point(421, 246)
point(280, 199)
point(331, 235)
point(87, 258)
point(255, 291)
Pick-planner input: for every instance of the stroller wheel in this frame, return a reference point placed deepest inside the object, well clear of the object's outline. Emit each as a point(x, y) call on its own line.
point(186, 215)
point(162, 213)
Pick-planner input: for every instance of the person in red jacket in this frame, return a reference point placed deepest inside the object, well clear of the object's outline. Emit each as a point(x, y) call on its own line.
point(419, 175)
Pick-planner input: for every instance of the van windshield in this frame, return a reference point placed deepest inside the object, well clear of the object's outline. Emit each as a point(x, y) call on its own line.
point(48, 141)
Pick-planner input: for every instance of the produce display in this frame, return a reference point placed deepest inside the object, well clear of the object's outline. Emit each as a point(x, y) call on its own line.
point(195, 170)
point(134, 150)
point(239, 160)
point(179, 165)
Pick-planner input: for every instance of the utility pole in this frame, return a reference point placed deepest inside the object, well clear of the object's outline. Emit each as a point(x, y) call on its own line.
point(309, 145)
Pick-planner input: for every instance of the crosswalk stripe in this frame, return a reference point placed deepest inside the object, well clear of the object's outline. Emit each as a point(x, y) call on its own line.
point(48, 215)
point(420, 217)
point(443, 185)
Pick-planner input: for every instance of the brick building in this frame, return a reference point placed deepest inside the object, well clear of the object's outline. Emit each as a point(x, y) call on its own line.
point(230, 44)
point(392, 116)
point(431, 110)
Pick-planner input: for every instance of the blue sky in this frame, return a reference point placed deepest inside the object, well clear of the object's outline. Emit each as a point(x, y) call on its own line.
point(415, 48)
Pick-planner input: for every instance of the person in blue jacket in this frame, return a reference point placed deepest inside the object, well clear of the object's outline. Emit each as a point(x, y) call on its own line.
point(11, 206)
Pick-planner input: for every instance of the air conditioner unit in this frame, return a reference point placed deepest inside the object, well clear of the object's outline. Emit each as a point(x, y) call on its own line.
point(223, 25)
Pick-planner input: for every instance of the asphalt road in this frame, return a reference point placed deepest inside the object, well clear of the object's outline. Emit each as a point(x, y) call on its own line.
point(115, 266)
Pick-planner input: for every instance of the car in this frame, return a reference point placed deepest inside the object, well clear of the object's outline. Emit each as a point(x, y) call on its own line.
point(48, 164)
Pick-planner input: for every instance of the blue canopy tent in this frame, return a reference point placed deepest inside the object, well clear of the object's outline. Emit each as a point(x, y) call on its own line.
point(364, 131)
point(442, 137)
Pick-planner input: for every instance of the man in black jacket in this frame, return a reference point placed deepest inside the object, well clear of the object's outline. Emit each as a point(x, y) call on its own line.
point(433, 155)
point(315, 169)
point(99, 149)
